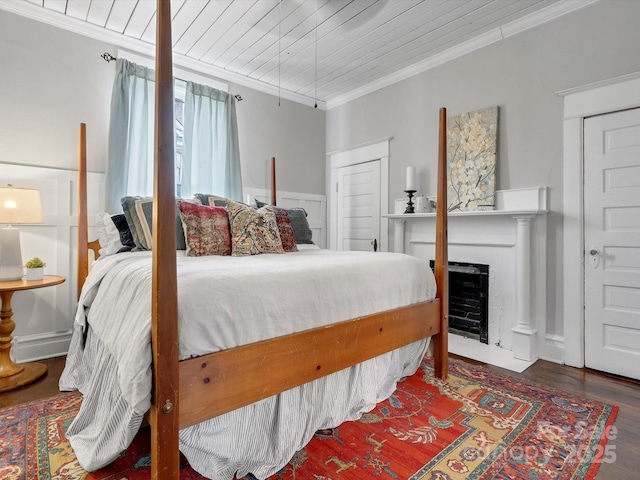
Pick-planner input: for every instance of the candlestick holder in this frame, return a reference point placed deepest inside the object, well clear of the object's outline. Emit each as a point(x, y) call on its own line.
point(409, 208)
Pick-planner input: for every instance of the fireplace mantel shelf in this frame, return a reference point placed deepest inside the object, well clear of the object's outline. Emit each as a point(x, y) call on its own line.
point(485, 213)
point(522, 202)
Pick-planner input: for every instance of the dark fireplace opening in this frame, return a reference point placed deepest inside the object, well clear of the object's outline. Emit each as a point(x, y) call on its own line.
point(469, 300)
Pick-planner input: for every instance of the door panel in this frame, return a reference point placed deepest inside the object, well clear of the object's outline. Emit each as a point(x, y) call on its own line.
point(612, 242)
point(358, 206)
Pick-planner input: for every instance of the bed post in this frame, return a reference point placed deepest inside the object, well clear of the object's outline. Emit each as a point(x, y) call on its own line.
point(83, 222)
point(164, 412)
point(441, 344)
point(273, 180)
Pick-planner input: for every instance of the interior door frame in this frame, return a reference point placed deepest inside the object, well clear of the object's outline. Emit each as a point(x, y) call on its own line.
point(620, 93)
point(366, 152)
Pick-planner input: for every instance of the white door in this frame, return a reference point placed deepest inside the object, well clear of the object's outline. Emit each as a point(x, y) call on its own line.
point(358, 206)
point(612, 242)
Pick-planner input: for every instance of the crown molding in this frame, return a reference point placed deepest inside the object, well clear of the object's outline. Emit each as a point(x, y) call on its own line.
point(544, 15)
point(602, 83)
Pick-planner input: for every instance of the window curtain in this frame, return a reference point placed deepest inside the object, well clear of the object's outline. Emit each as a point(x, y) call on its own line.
point(211, 157)
point(130, 163)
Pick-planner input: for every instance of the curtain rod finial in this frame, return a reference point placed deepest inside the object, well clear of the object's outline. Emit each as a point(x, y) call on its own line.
point(107, 57)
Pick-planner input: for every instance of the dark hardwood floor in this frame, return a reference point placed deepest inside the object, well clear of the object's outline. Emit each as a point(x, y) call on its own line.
point(585, 383)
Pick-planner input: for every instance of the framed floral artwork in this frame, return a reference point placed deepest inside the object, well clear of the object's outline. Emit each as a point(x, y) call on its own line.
point(472, 140)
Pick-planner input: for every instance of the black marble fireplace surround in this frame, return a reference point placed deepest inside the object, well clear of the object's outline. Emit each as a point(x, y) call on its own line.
point(469, 300)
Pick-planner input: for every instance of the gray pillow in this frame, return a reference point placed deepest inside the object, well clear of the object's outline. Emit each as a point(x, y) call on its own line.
point(299, 223)
point(139, 214)
point(217, 201)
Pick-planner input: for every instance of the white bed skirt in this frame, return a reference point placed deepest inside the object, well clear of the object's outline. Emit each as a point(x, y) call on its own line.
point(259, 439)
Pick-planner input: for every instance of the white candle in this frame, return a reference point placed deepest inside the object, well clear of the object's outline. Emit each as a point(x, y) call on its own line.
point(411, 178)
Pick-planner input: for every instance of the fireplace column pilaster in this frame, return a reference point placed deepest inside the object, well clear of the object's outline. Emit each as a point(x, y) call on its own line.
point(524, 333)
point(398, 235)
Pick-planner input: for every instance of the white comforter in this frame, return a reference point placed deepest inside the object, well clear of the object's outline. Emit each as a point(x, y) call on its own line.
point(224, 302)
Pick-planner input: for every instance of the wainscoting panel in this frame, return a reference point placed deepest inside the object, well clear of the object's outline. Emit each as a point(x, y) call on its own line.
point(44, 317)
point(315, 206)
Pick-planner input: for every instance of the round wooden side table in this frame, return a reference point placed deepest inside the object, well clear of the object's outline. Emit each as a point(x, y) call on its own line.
point(15, 375)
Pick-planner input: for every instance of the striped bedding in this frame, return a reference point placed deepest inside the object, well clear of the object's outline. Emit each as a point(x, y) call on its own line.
point(224, 302)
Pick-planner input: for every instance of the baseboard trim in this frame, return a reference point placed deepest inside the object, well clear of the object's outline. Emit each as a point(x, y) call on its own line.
point(28, 348)
point(553, 350)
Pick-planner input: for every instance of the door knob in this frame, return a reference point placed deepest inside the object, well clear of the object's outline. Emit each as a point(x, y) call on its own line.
point(595, 256)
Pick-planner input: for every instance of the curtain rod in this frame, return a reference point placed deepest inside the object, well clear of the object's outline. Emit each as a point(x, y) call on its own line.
point(107, 57)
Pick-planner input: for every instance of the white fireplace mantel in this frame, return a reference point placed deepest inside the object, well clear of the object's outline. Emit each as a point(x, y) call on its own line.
point(512, 240)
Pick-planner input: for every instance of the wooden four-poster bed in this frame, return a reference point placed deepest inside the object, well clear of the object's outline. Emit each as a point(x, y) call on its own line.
point(192, 390)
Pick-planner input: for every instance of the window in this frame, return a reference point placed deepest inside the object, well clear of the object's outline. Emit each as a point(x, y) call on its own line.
point(179, 93)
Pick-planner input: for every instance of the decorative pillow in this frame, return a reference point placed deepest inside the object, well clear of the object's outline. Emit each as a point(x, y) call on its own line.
point(299, 223)
point(108, 235)
point(129, 210)
point(252, 232)
point(126, 239)
point(206, 229)
point(213, 200)
point(139, 214)
point(285, 229)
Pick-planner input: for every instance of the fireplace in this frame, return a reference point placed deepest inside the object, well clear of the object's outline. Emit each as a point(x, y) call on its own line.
point(469, 300)
point(512, 239)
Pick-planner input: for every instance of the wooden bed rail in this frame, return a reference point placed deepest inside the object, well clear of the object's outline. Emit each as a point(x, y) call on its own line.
point(217, 383)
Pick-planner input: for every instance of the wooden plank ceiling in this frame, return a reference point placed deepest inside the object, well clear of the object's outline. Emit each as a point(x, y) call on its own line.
point(318, 49)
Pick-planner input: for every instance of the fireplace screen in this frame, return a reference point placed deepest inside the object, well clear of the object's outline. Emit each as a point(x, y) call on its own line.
point(469, 300)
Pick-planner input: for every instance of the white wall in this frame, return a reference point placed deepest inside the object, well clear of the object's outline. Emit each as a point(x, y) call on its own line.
point(521, 74)
point(291, 132)
point(51, 81)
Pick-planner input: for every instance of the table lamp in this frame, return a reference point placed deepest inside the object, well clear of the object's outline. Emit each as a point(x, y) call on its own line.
point(17, 206)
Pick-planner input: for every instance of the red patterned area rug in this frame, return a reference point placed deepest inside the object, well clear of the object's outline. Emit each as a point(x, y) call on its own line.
point(476, 425)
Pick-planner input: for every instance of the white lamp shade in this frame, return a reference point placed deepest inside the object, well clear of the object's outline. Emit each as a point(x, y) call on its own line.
point(20, 205)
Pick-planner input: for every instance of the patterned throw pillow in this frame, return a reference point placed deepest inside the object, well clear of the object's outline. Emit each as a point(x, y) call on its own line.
point(285, 229)
point(252, 232)
point(206, 229)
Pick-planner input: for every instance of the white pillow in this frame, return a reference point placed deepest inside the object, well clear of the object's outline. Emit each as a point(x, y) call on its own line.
point(108, 235)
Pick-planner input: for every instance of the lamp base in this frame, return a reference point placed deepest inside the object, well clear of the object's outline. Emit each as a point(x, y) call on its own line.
point(28, 373)
point(10, 254)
